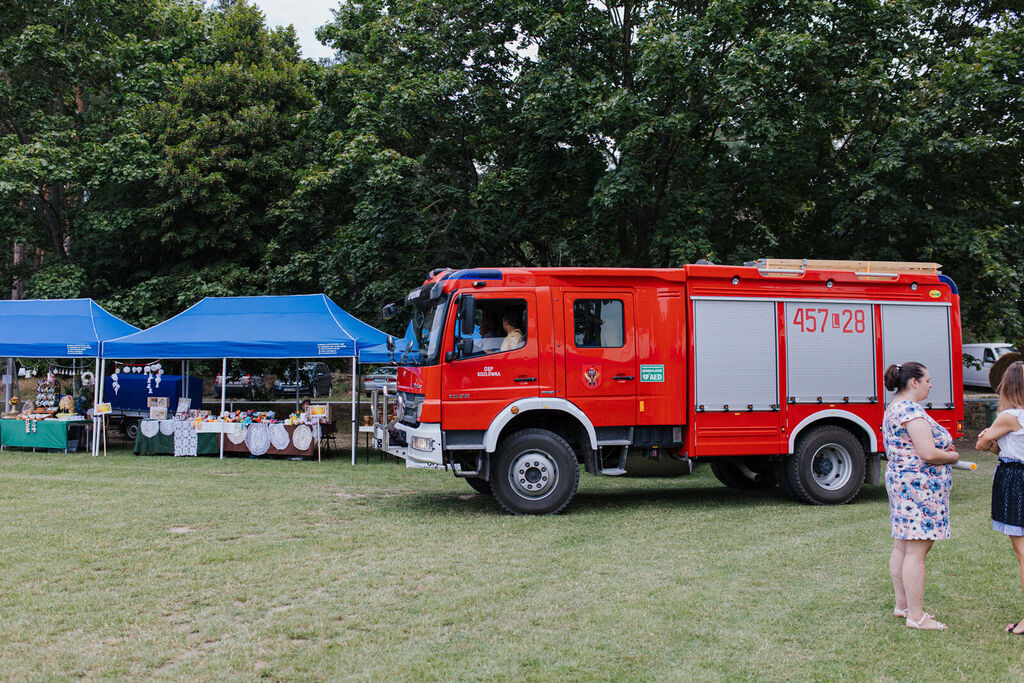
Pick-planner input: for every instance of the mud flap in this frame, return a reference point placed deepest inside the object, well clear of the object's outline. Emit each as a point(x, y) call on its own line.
point(873, 469)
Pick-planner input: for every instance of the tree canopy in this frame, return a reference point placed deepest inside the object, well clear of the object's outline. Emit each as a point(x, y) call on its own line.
point(155, 151)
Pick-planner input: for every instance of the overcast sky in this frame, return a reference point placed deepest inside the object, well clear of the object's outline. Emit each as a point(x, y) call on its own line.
point(305, 15)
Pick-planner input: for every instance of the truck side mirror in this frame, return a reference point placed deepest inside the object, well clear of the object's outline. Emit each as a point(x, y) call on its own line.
point(467, 313)
point(391, 343)
point(465, 346)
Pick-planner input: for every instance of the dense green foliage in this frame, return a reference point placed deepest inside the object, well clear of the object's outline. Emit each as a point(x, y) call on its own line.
point(155, 151)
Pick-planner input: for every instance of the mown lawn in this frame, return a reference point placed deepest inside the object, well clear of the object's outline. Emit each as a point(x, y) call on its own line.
point(167, 567)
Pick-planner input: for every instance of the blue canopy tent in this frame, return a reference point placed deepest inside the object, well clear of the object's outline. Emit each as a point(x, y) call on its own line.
point(57, 328)
point(301, 326)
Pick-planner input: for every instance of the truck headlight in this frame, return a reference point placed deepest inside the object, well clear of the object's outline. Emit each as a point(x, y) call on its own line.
point(422, 443)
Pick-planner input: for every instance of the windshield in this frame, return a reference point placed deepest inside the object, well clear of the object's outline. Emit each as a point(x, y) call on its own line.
point(1003, 350)
point(422, 343)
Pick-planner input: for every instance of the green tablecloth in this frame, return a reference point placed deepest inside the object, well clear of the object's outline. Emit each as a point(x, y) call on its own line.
point(163, 444)
point(48, 433)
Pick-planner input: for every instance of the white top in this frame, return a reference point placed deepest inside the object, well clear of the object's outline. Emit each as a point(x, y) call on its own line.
point(1011, 446)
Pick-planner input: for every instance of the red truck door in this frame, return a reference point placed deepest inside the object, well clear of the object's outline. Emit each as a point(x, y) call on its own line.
point(503, 367)
point(600, 355)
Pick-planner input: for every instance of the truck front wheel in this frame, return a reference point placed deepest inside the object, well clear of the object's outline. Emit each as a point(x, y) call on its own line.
point(827, 467)
point(534, 472)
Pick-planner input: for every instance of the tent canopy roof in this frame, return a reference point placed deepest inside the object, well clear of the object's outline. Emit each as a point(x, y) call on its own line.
point(301, 326)
point(56, 328)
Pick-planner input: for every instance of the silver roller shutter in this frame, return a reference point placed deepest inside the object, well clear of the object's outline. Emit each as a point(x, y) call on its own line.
point(920, 332)
point(830, 352)
point(735, 354)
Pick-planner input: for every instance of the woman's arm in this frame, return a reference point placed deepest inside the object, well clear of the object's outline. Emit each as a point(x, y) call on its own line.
point(1004, 424)
point(921, 435)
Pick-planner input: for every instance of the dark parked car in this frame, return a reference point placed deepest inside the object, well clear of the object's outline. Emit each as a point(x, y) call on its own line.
point(315, 379)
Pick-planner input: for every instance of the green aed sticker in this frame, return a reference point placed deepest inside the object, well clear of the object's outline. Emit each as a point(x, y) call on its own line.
point(652, 373)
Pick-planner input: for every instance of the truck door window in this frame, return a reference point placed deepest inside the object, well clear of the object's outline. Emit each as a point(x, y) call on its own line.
point(598, 323)
point(989, 356)
point(499, 325)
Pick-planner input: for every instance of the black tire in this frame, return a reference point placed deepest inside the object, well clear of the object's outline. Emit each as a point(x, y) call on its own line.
point(827, 467)
point(130, 429)
point(727, 472)
point(534, 472)
point(479, 485)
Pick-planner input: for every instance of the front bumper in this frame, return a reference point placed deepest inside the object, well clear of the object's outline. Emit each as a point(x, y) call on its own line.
point(418, 446)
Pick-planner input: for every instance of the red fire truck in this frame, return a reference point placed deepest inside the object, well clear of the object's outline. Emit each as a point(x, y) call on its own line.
point(771, 372)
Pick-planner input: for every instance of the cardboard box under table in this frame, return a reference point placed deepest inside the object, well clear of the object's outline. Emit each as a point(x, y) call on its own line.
point(47, 434)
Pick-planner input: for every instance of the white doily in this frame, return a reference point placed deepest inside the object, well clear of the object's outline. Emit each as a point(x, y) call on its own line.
point(302, 437)
point(279, 437)
point(186, 439)
point(237, 437)
point(166, 427)
point(149, 428)
point(257, 438)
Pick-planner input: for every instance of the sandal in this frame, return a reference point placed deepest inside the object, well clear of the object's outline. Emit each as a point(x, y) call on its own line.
point(1009, 629)
point(900, 613)
point(936, 625)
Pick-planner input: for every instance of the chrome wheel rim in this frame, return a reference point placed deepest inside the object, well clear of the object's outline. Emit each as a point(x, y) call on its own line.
point(832, 467)
point(533, 475)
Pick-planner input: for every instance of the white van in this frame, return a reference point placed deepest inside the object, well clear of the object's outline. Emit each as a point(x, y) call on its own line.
point(987, 353)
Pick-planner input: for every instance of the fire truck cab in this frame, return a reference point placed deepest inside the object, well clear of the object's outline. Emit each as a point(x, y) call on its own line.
point(771, 372)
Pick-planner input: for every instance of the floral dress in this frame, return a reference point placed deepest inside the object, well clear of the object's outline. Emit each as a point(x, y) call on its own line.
point(918, 492)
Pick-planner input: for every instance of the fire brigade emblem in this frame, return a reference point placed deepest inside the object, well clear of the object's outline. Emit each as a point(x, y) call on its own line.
point(592, 376)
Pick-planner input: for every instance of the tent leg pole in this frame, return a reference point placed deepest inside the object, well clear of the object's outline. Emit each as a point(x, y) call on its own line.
point(95, 400)
point(223, 394)
point(297, 382)
point(10, 384)
point(101, 424)
point(354, 377)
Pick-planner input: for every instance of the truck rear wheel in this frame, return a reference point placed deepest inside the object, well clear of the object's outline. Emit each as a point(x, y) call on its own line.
point(534, 472)
point(827, 467)
point(727, 471)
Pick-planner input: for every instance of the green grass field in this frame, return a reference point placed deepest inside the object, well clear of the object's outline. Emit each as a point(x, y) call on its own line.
point(193, 567)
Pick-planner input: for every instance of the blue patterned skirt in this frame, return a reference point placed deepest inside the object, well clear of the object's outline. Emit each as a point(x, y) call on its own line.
point(1008, 498)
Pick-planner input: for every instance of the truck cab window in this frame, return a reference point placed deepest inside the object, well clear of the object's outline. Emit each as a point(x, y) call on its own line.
point(598, 323)
point(500, 325)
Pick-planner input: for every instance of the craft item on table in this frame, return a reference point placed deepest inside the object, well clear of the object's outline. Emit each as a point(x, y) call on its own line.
point(167, 427)
point(279, 436)
point(149, 428)
point(302, 437)
point(12, 405)
point(28, 409)
point(237, 437)
point(182, 410)
point(257, 438)
point(67, 404)
point(186, 439)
